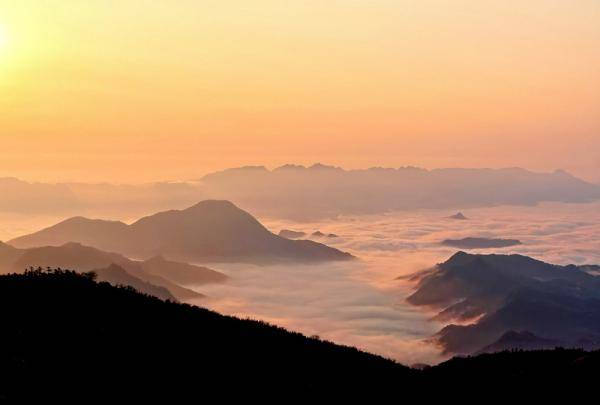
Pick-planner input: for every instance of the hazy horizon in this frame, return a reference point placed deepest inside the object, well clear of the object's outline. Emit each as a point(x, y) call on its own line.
point(144, 91)
point(197, 176)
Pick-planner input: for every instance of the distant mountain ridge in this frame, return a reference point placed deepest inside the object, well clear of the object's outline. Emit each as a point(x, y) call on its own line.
point(210, 231)
point(503, 293)
point(299, 192)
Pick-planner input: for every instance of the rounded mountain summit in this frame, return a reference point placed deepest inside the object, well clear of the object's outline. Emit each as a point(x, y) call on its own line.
point(210, 231)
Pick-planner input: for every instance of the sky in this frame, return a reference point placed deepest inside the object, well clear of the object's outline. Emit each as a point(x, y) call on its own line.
point(132, 90)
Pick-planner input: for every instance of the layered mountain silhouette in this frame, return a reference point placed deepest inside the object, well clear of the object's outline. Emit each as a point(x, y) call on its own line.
point(504, 293)
point(299, 192)
point(182, 273)
point(480, 243)
point(68, 337)
point(117, 275)
point(157, 277)
point(210, 231)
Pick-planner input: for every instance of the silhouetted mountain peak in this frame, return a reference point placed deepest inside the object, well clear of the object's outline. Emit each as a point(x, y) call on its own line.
point(211, 230)
point(78, 220)
point(512, 260)
point(510, 292)
point(459, 258)
point(213, 205)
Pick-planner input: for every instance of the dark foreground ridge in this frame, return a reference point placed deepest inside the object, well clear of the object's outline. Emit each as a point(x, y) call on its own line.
point(65, 336)
point(62, 329)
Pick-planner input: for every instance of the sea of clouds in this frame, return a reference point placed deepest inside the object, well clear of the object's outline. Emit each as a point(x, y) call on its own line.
point(363, 303)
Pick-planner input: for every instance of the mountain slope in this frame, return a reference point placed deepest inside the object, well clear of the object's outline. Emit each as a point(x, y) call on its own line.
point(72, 255)
point(182, 273)
point(208, 231)
point(68, 338)
point(511, 293)
point(73, 334)
point(117, 276)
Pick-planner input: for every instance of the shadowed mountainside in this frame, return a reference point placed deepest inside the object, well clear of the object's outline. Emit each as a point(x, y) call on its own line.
point(506, 293)
point(210, 231)
point(519, 371)
point(117, 275)
point(512, 340)
point(79, 335)
point(157, 277)
point(69, 337)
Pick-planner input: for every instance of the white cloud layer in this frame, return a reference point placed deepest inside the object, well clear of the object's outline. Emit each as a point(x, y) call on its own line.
point(362, 304)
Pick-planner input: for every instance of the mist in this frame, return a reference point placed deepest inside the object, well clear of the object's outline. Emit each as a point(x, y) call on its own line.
point(363, 304)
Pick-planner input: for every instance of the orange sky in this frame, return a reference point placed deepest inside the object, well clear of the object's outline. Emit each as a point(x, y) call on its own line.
point(134, 90)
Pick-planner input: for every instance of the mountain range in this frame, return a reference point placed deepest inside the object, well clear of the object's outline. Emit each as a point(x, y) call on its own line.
point(491, 295)
point(318, 191)
point(210, 231)
point(299, 192)
point(156, 276)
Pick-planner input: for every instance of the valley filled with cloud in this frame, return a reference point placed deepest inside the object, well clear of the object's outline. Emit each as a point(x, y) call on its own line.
point(362, 303)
